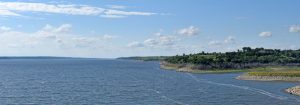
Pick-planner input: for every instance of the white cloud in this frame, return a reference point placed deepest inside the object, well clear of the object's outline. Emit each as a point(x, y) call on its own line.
point(214, 43)
point(190, 31)
point(50, 32)
point(4, 28)
point(113, 16)
point(151, 42)
point(84, 42)
point(135, 44)
point(49, 37)
point(158, 34)
point(42, 7)
point(265, 34)
point(161, 41)
point(108, 37)
point(13, 8)
point(111, 12)
point(116, 6)
point(64, 28)
point(8, 13)
point(294, 28)
point(229, 40)
point(158, 42)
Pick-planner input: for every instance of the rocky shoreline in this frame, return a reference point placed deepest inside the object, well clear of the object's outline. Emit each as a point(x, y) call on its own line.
point(293, 90)
point(189, 68)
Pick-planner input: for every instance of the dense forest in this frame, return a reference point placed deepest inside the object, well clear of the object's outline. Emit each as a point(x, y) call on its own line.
point(245, 58)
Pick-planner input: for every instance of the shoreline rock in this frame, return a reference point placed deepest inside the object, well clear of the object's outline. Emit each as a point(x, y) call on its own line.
point(293, 90)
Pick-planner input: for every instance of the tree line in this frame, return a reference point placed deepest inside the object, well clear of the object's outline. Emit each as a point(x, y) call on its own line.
point(244, 58)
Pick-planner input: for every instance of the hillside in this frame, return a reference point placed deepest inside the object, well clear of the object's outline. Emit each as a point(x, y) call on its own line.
point(241, 59)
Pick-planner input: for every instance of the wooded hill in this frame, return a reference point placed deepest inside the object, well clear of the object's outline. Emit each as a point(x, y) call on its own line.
point(245, 58)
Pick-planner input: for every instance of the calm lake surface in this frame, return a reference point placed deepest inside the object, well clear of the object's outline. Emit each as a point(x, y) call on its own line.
point(122, 82)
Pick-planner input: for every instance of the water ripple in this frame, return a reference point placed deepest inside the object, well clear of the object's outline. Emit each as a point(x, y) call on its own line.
point(240, 87)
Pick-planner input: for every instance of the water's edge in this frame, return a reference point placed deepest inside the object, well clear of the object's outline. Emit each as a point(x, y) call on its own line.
point(293, 90)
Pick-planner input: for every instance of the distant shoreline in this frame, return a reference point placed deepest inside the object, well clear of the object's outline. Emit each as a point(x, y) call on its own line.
point(45, 57)
point(33, 57)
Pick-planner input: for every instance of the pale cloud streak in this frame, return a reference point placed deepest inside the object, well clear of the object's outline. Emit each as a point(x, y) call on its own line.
point(108, 37)
point(157, 42)
point(265, 34)
point(16, 8)
point(227, 41)
point(294, 28)
point(4, 28)
point(58, 38)
point(7, 13)
point(214, 43)
point(116, 6)
point(189, 31)
point(135, 44)
point(230, 40)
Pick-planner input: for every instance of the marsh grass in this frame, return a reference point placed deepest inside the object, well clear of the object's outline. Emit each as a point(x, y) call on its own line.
point(285, 71)
point(276, 73)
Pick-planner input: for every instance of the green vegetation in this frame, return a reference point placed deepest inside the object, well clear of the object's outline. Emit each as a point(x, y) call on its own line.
point(242, 59)
point(148, 58)
point(277, 73)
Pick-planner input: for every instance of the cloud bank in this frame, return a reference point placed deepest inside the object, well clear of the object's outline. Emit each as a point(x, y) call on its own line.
point(17, 8)
point(51, 40)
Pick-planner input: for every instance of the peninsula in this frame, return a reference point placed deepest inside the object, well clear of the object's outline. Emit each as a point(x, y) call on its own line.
point(259, 64)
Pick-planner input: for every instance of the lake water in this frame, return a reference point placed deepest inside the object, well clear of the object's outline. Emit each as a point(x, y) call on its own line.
point(121, 82)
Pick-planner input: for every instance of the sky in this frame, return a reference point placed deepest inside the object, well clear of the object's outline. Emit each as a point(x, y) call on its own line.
point(120, 28)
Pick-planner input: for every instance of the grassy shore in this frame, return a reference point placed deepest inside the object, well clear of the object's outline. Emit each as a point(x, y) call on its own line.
point(189, 69)
point(276, 73)
point(284, 73)
point(271, 71)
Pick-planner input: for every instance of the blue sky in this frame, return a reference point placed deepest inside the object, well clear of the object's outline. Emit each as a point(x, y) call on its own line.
point(115, 28)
